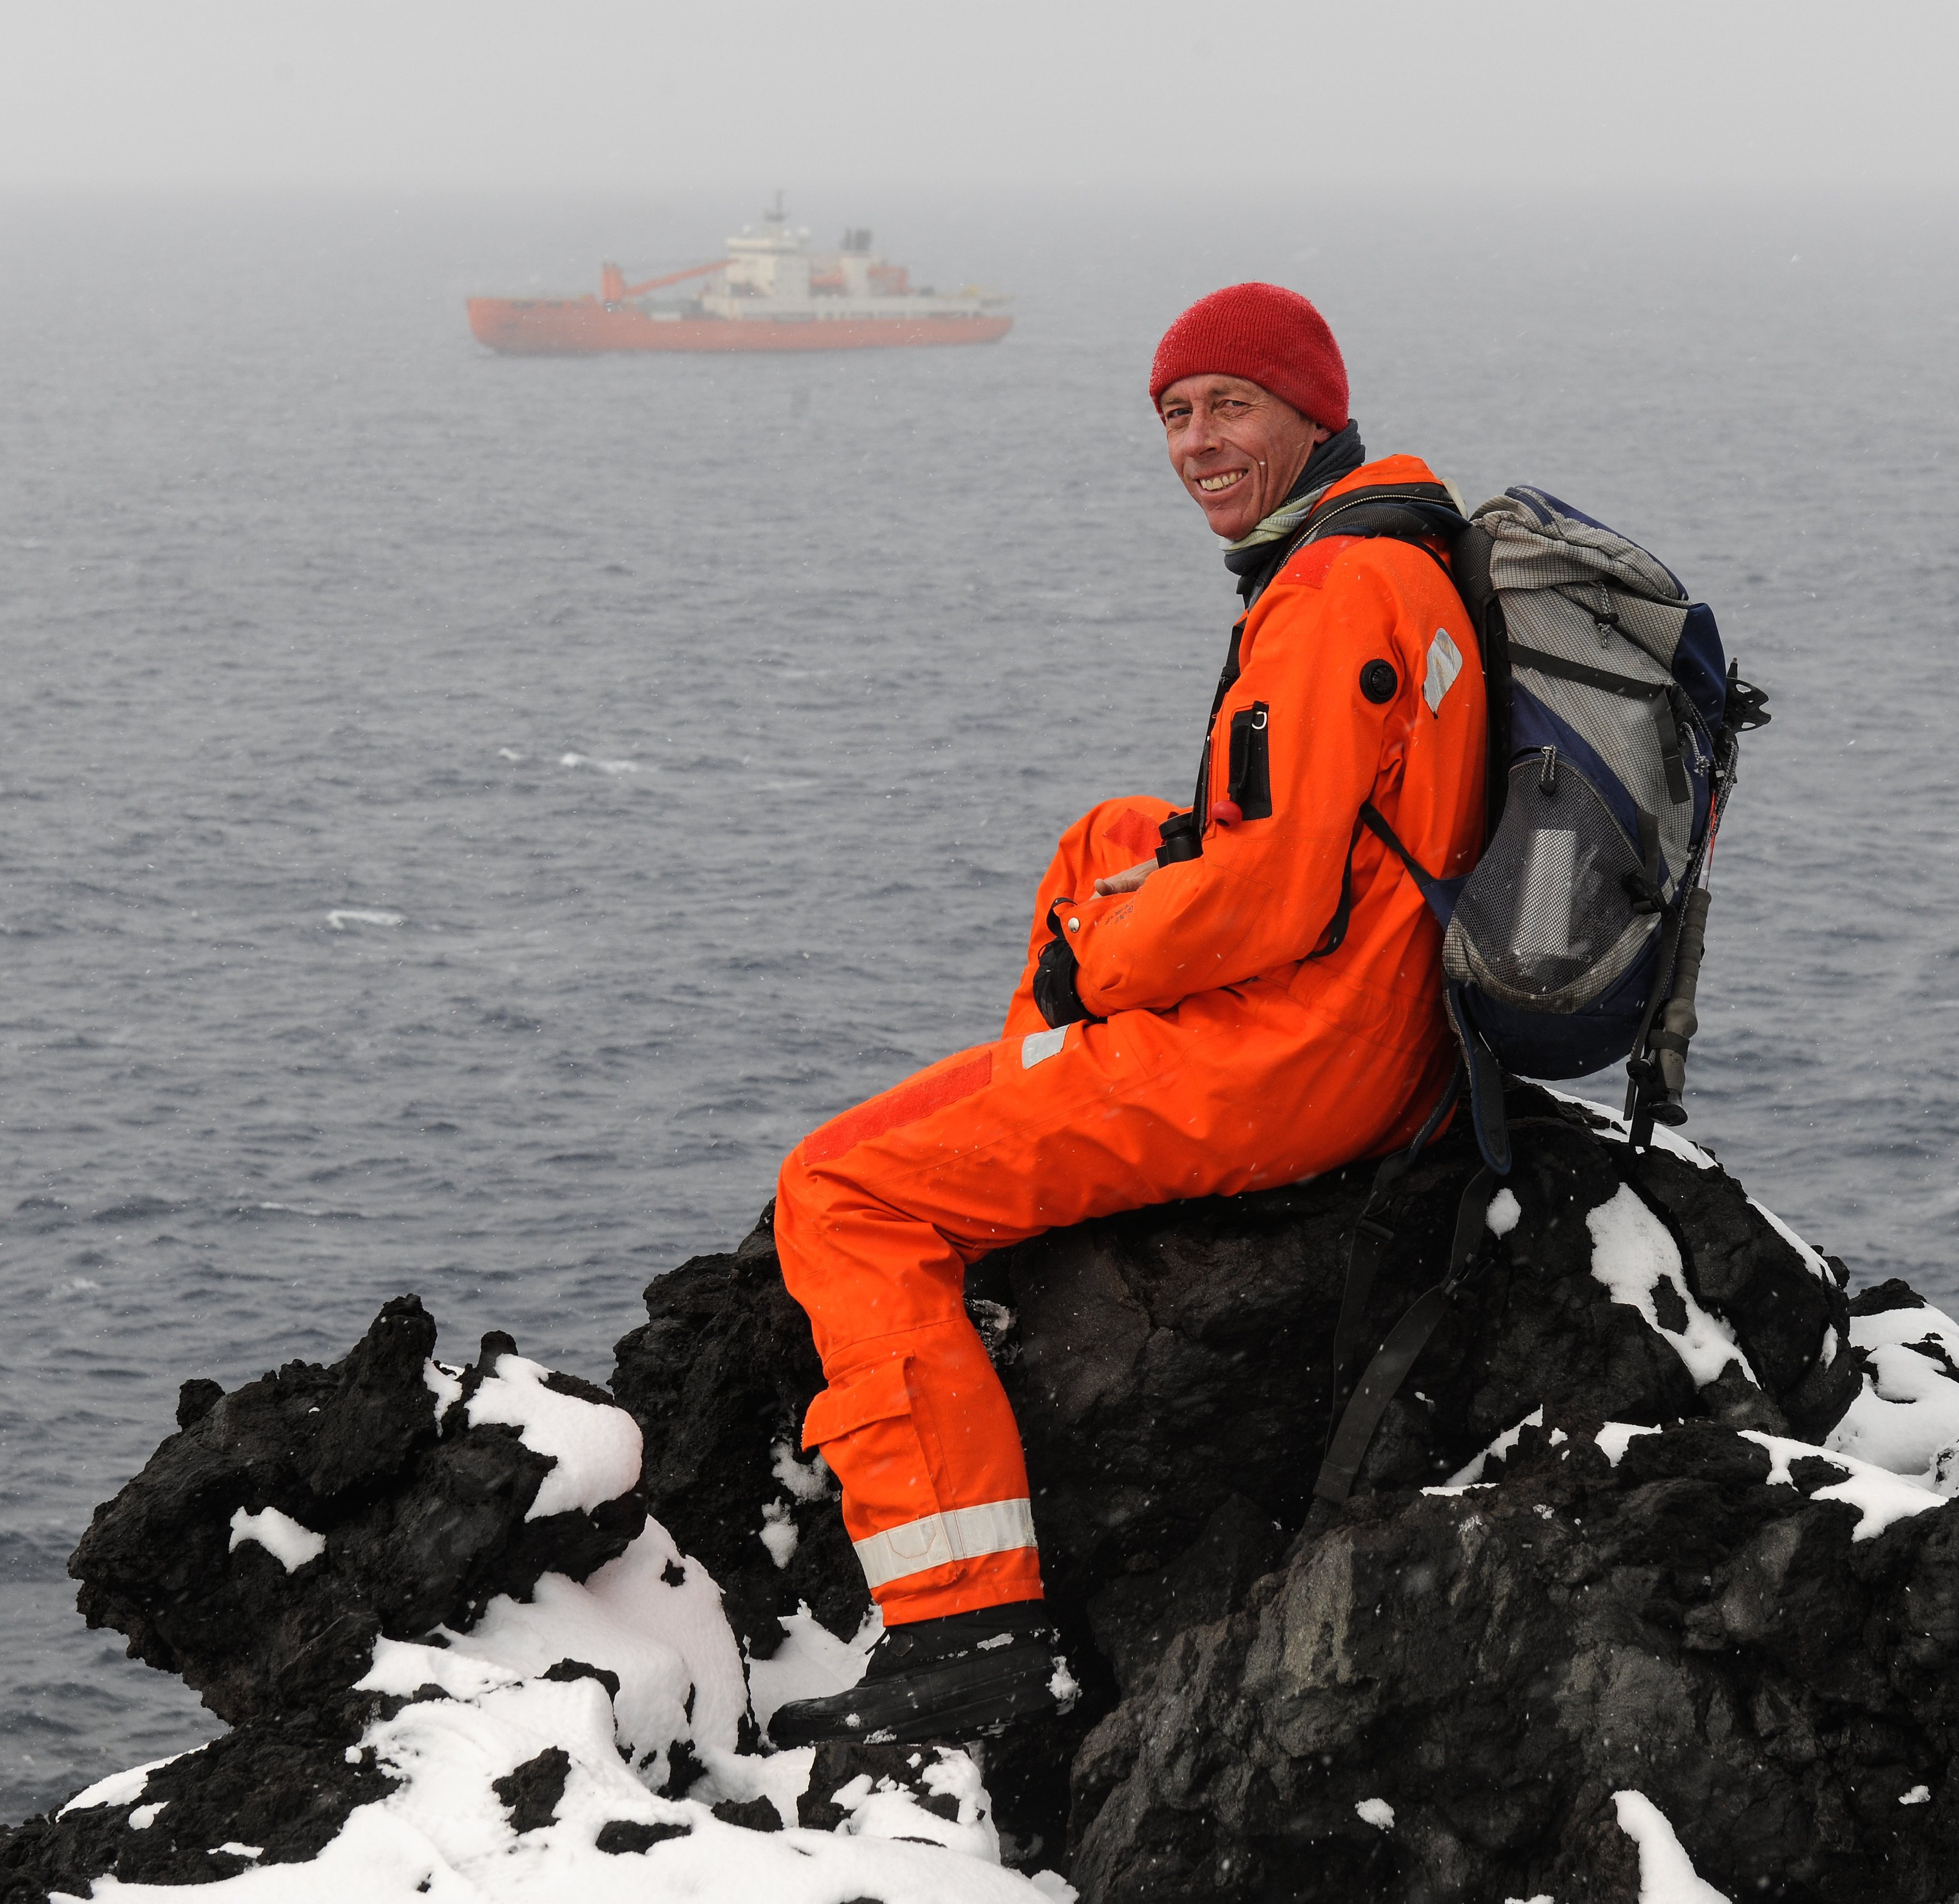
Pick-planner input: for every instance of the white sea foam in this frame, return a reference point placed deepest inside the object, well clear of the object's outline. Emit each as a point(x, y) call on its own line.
point(342, 916)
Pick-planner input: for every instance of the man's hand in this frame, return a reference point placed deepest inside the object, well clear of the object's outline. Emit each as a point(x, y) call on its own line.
point(1127, 881)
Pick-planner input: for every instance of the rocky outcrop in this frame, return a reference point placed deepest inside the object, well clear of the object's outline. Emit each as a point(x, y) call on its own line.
point(288, 1525)
point(1652, 1532)
point(1439, 1697)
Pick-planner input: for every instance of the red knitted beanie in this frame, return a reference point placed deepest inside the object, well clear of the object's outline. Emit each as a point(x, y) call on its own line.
point(1263, 332)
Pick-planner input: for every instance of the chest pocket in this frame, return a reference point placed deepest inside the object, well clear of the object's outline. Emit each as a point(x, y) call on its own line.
point(1250, 783)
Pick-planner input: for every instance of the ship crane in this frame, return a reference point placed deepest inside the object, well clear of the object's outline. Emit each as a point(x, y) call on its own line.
point(613, 288)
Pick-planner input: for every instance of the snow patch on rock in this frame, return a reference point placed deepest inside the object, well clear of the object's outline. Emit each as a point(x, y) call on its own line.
point(810, 1663)
point(652, 1617)
point(1879, 1495)
point(444, 1383)
point(289, 1544)
point(1504, 1213)
point(810, 1482)
point(1470, 1474)
point(1617, 1130)
point(118, 1788)
point(1812, 1259)
point(1667, 1875)
point(778, 1532)
point(1616, 1437)
point(1376, 1812)
point(1633, 1252)
point(1906, 1417)
point(597, 1448)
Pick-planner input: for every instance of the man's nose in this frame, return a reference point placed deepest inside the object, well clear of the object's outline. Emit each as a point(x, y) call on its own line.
point(1197, 437)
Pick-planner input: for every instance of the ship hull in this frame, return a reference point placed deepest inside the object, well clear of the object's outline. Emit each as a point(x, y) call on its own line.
point(578, 327)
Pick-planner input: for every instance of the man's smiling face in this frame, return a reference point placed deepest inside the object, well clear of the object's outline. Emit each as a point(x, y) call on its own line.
point(1238, 449)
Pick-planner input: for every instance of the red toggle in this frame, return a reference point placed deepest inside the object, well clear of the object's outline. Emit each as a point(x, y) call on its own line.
point(1227, 812)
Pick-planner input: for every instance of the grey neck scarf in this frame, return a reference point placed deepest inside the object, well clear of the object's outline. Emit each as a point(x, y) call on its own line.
point(1339, 456)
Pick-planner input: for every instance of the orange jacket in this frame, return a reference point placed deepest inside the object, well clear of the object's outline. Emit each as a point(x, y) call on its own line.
point(1266, 888)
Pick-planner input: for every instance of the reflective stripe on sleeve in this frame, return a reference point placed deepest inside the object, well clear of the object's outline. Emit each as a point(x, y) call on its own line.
point(960, 1533)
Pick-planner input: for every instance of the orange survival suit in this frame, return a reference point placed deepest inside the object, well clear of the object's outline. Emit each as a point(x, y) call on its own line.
point(1222, 1055)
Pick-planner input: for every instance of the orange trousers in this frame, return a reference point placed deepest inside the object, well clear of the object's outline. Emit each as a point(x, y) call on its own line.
point(879, 1213)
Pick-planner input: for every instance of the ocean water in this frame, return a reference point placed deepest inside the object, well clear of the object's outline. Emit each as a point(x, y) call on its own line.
point(461, 820)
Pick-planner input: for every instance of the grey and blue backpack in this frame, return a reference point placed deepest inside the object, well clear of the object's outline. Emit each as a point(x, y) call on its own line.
point(1613, 719)
point(1575, 940)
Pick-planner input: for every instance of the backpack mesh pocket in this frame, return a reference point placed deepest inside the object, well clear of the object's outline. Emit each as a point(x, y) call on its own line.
point(1546, 920)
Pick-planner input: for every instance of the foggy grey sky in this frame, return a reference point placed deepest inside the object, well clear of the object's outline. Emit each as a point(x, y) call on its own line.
point(1198, 97)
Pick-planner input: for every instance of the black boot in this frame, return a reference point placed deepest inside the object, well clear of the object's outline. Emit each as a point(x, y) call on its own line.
point(955, 1677)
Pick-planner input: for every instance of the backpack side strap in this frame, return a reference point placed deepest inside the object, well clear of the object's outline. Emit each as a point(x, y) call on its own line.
point(1355, 1427)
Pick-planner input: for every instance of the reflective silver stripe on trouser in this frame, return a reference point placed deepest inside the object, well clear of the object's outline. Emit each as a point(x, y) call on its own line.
point(960, 1533)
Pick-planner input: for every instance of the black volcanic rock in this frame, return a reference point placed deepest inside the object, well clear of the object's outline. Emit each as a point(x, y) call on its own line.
point(281, 1786)
point(423, 1518)
point(1423, 1696)
point(1495, 1665)
point(718, 1378)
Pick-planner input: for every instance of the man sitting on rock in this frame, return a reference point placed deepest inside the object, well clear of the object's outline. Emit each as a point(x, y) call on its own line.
point(1235, 997)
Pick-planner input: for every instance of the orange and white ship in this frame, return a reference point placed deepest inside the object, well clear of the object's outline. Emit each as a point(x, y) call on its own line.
point(770, 293)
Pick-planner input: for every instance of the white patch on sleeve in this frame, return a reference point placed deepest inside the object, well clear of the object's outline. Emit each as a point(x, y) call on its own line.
point(1037, 1046)
point(289, 1544)
point(1376, 1812)
point(1633, 1252)
point(597, 1448)
point(1445, 663)
point(1502, 1213)
point(1667, 1875)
